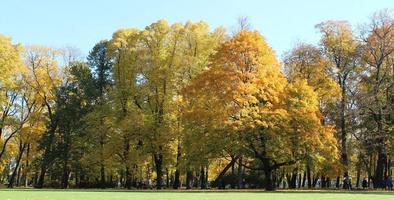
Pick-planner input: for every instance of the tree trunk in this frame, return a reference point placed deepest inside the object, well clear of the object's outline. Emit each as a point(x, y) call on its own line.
point(304, 180)
point(299, 180)
point(102, 166)
point(65, 175)
point(269, 182)
point(203, 184)
point(177, 182)
point(27, 166)
point(189, 177)
point(344, 157)
point(167, 178)
point(18, 178)
point(378, 180)
point(309, 178)
point(358, 177)
point(159, 170)
point(218, 181)
point(240, 174)
point(14, 173)
point(127, 177)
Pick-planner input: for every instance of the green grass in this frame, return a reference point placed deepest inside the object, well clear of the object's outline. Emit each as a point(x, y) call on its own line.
point(136, 195)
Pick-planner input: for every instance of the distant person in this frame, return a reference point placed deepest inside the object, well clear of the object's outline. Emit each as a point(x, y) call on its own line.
point(347, 182)
point(365, 183)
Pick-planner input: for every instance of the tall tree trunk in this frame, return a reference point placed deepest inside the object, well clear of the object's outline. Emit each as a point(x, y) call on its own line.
point(202, 178)
point(167, 178)
point(177, 182)
point(47, 158)
point(240, 174)
point(299, 180)
point(379, 171)
point(14, 173)
point(159, 169)
point(269, 184)
point(65, 175)
point(18, 178)
point(303, 180)
point(189, 178)
point(102, 165)
point(358, 177)
point(344, 157)
point(27, 165)
point(308, 174)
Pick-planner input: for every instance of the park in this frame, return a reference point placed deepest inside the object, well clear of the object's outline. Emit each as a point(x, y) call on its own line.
point(161, 101)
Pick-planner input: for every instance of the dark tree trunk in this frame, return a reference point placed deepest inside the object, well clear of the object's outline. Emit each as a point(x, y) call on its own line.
point(358, 177)
point(308, 175)
point(177, 182)
point(127, 177)
point(189, 178)
point(293, 180)
point(65, 175)
point(337, 182)
point(27, 165)
point(304, 180)
point(203, 185)
point(206, 177)
point(269, 182)
point(18, 178)
point(14, 173)
point(344, 157)
point(102, 166)
point(379, 172)
point(299, 180)
point(240, 174)
point(218, 182)
point(159, 170)
point(167, 178)
point(102, 175)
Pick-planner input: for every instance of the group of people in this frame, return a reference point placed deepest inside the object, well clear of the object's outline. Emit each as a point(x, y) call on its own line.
point(347, 183)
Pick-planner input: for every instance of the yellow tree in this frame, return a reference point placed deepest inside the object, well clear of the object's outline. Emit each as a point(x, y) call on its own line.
point(244, 96)
point(44, 76)
point(151, 66)
point(11, 116)
point(307, 62)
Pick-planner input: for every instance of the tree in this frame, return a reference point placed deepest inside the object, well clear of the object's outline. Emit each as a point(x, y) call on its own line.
point(101, 63)
point(341, 49)
point(12, 116)
point(150, 68)
point(307, 62)
point(45, 76)
point(377, 84)
point(246, 95)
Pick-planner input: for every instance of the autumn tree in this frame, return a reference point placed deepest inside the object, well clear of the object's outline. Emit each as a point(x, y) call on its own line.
point(376, 87)
point(341, 49)
point(151, 66)
point(257, 107)
point(12, 118)
point(307, 62)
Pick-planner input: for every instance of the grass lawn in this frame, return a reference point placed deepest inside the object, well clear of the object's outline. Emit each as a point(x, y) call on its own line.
point(136, 195)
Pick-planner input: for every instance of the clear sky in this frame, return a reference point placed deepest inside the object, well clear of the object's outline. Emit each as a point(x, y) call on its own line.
point(82, 23)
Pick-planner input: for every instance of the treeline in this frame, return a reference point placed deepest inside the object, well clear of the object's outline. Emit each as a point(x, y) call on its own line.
point(183, 105)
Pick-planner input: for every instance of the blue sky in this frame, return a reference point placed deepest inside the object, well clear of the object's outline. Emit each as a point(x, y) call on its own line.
point(82, 23)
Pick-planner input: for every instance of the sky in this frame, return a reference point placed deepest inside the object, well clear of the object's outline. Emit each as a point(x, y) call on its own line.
point(82, 23)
